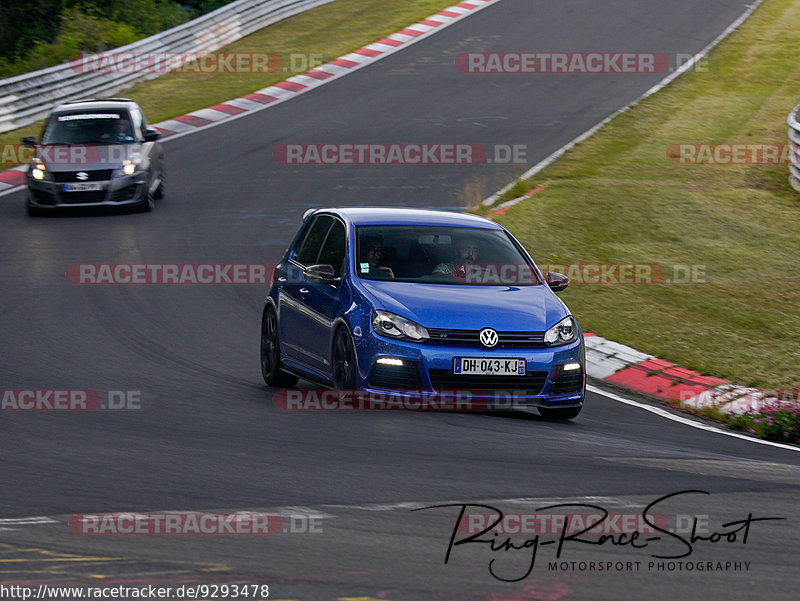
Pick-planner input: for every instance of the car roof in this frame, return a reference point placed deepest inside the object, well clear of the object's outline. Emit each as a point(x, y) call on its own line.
point(94, 104)
point(396, 216)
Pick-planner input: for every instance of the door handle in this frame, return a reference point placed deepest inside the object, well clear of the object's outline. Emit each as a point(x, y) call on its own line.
point(303, 290)
point(282, 280)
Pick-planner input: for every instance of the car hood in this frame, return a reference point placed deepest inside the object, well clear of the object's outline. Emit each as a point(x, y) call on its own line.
point(504, 308)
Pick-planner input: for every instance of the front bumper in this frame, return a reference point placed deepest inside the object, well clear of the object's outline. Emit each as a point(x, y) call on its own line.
point(427, 371)
point(119, 191)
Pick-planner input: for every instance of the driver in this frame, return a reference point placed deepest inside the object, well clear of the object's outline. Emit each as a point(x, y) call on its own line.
point(371, 255)
point(467, 249)
point(120, 131)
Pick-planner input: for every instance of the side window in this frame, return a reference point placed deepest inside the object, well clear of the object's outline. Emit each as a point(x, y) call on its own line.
point(308, 248)
point(333, 250)
point(138, 123)
point(50, 129)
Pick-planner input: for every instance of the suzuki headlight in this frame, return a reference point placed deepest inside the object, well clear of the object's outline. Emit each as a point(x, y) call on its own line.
point(394, 326)
point(564, 332)
point(38, 169)
point(129, 167)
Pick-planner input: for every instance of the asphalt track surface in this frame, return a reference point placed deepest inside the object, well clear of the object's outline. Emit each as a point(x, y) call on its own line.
point(209, 438)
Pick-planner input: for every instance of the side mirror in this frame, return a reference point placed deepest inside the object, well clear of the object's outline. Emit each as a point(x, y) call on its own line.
point(29, 141)
point(151, 135)
point(321, 274)
point(556, 281)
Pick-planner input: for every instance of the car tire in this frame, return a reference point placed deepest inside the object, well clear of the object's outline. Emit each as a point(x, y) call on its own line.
point(344, 361)
point(271, 353)
point(148, 202)
point(560, 415)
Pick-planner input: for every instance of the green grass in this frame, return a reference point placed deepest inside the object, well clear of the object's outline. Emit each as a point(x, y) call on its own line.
point(330, 30)
point(616, 198)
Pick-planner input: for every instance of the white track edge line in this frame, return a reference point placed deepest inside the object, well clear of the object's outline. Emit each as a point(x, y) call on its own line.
point(686, 421)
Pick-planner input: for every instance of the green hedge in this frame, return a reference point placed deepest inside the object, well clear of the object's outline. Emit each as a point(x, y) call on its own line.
point(42, 33)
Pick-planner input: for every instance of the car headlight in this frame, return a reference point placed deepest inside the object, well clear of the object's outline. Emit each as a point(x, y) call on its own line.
point(394, 326)
point(129, 167)
point(38, 170)
point(564, 332)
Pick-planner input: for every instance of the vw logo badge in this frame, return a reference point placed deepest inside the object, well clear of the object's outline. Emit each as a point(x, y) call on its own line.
point(488, 337)
point(82, 175)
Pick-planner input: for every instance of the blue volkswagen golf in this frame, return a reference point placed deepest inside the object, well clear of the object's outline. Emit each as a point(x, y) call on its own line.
point(421, 302)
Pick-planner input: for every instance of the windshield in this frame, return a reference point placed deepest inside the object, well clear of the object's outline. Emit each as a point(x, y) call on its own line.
point(442, 255)
point(101, 127)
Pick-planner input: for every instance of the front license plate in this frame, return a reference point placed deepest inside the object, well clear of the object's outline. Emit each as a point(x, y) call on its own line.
point(486, 366)
point(83, 187)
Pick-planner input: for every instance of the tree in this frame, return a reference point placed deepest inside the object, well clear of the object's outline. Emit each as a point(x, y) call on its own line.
point(23, 22)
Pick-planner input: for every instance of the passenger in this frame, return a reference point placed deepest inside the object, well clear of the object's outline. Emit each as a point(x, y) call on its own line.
point(467, 249)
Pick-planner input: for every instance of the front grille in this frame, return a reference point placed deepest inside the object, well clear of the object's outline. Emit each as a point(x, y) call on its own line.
point(82, 197)
point(444, 379)
point(567, 382)
point(96, 175)
point(471, 338)
point(396, 377)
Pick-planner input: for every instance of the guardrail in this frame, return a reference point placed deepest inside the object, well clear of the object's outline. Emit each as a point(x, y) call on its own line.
point(794, 145)
point(28, 97)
